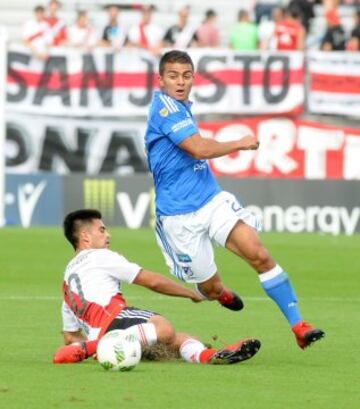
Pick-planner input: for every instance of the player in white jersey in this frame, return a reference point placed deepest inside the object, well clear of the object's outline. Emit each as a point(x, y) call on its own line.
point(191, 208)
point(93, 301)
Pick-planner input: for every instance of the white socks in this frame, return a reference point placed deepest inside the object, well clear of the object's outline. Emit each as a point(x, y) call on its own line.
point(269, 275)
point(191, 349)
point(145, 333)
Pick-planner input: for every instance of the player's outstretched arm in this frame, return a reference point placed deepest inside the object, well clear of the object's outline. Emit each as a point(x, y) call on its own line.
point(163, 285)
point(204, 148)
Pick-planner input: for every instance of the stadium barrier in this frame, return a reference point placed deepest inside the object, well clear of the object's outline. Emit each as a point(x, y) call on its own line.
point(128, 201)
point(290, 148)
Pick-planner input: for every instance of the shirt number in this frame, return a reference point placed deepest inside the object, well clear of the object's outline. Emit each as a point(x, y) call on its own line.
point(77, 305)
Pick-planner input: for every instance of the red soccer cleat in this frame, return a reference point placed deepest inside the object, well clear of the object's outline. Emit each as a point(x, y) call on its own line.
point(306, 334)
point(69, 354)
point(231, 300)
point(238, 352)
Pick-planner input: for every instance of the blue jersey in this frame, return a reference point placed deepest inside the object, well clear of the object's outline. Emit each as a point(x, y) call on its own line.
point(182, 184)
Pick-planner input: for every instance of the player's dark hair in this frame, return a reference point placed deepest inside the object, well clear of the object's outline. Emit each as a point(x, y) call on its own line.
point(174, 56)
point(74, 220)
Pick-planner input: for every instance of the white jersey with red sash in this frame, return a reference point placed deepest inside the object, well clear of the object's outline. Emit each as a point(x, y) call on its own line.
point(92, 290)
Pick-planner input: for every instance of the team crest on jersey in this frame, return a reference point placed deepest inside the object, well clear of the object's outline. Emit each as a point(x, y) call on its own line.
point(184, 258)
point(164, 112)
point(188, 271)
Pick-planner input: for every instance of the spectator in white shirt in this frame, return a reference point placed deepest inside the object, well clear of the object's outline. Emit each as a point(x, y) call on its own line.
point(146, 34)
point(57, 25)
point(114, 33)
point(82, 34)
point(37, 34)
point(182, 34)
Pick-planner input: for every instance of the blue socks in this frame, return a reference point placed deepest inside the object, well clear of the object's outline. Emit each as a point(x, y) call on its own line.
point(277, 286)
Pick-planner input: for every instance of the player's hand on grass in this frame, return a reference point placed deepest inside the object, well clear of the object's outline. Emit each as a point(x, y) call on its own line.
point(196, 297)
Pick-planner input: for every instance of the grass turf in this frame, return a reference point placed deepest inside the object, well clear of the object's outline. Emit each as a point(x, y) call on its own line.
point(323, 269)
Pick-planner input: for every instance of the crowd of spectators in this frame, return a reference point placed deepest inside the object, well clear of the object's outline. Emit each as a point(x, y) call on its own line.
point(268, 26)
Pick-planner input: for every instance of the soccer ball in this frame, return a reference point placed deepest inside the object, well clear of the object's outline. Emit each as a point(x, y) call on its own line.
point(118, 351)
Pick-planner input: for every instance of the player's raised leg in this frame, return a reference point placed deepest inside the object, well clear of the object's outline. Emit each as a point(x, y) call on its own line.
point(189, 254)
point(245, 242)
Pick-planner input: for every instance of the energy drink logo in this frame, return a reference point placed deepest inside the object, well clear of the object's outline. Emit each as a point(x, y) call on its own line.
point(100, 194)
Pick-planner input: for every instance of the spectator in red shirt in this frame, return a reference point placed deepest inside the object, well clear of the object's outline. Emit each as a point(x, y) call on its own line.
point(289, 32)
point(57, 26)
point(208, 34)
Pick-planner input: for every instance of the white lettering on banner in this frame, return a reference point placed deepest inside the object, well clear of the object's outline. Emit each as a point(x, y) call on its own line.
point(133, 216)
point(352, 157)
point(28, 197)
point(288, 148)
point(295, 219)
point(277, 139)
point(237, 162)
point(349, 220)
point(316, 142)
point(329, 220)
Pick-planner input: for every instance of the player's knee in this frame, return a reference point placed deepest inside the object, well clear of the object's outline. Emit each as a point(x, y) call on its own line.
point(167, 334)
point(165, 331)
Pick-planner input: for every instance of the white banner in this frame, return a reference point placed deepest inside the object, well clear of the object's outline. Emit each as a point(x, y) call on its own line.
point(334, 83)
point(103, 83)
point(289, 148)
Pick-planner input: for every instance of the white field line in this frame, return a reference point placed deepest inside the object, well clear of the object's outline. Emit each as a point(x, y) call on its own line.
point(164, 297)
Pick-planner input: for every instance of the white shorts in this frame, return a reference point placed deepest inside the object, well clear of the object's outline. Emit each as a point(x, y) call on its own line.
point(186, 240)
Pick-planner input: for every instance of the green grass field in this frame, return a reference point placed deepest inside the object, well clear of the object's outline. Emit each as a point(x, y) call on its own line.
point(324, 270)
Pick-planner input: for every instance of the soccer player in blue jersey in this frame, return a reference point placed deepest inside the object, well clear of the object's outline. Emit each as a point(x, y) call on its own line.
point(193, 211)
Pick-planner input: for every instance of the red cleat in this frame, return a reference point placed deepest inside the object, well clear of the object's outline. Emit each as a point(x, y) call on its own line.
point(238, 352)
point(306, 334)
point(231, 300)
point(69, 354)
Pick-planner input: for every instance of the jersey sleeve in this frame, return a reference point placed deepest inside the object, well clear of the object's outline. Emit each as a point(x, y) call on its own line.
point(70, 322)
point(175, 122)
point(117, 266)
